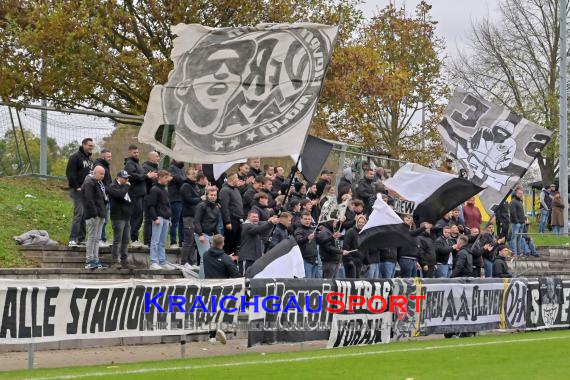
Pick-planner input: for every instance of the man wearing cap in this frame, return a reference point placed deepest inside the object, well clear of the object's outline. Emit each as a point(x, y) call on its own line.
point(500, 267)
point(120, 218)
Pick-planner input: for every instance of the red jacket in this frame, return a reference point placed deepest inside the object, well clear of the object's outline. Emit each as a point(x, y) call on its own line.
point(472, 216)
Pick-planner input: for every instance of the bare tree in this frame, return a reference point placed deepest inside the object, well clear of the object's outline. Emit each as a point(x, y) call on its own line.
point(515, 62)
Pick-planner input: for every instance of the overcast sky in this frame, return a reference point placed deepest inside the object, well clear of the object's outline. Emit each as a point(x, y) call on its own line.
point(454, 16)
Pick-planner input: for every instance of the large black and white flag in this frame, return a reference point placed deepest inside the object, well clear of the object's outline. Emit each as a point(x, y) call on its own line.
point(239, 92)
point(429, 194)
point(384, 229)
point(313, 158)
point(494, 145)
point(282, 261)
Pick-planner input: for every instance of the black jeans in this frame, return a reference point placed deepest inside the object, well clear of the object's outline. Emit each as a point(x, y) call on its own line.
point(233, 237)
point(136, 216)
point(330, 269)
point(121, 232)
point(147, 228)
point(78, 231)
point(188, 251)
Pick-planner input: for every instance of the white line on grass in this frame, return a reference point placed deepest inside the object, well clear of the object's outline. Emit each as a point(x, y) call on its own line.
point(289, 360)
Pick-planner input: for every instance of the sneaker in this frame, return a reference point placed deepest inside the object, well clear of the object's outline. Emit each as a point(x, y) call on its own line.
point(82, 244)
point(136, 244)
point(174, 246)
point(91, 265)
point(167, 266)
point(117, 265)
point(221, 336)
point(101, 265)
point(155, 266)
point(103, 244)
point(212, 340)
point(145, 246)
point(72, 243)
point(187, 266)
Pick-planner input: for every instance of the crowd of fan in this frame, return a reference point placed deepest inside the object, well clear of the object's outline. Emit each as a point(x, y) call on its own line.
point(233, 222)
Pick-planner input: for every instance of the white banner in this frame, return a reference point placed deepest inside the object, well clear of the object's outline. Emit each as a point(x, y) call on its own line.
point(239, 92)
point(52, 310)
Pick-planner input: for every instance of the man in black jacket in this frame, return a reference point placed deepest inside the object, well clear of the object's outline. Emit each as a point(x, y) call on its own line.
point(137, 191)
point(353, 261)
point(500, 267)
point(105, 162)
point(281, 231)
point(79, 166)
point(120, 218)
point(219, 265)
point(232, 212)
point(177, 225)
point(366, 190)
point(250, 192)
point(517, 217)
point(305, 235)
point(329, 251)
point(254, 167)
point(191, 196)
point(149, 166)
point(445, 250)
point(252, 232)
point(206, 217)
point(427, 255)
point(464, 261)
point(159, 211)
point(503, 220)
point(94, 198)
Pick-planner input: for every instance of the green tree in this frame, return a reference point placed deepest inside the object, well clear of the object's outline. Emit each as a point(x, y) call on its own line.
point(377, 87)
point(109, 54)
point(515, 62)
point(14, 159)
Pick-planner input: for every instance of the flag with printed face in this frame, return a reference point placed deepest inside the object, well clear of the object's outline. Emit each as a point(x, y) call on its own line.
point(492, 144)
point(239, 92)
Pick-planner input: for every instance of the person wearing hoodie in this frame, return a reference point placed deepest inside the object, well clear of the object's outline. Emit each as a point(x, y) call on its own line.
point(105, 162)
point(445, 250)
point(366, 191)
point(150, 166)
point(517, 216)
point(346, 180)
point(206, 217)
point(500, 267)
point(281, 230)
point(191, 196)
point(232, 212)
point(176, 170)
point(137, 191)
point(94, 196)
point(464, 260)
point(79, 166)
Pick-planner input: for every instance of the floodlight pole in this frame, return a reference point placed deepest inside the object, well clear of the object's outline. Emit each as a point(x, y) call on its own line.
point(563, 163)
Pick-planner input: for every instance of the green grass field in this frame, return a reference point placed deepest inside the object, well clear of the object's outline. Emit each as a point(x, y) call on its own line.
point(533, 355)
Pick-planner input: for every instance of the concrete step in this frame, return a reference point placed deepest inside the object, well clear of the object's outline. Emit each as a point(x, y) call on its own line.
point(111, 273)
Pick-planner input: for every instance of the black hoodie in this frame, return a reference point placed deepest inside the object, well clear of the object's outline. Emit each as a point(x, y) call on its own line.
point(219, 265)
point(190, 195)
point(78, 167)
